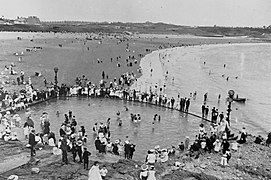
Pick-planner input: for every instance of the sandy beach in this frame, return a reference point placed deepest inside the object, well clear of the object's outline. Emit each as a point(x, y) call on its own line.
point(79, 56)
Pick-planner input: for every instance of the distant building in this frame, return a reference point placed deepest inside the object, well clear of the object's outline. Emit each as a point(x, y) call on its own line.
point(32, 20)
point(20, 20)
point(2, 21)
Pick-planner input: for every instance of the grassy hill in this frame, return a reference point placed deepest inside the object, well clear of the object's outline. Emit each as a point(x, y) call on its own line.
point(148, 27)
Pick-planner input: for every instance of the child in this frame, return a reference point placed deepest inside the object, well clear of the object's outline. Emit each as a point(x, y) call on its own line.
point(103, 172)
point(86, 154)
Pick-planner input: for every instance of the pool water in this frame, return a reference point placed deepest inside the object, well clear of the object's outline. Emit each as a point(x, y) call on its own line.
point(171, 130)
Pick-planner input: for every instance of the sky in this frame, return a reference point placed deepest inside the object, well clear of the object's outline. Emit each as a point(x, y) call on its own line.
point(255, 13)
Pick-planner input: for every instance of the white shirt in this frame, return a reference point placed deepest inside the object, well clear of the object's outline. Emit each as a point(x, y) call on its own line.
point(151, 158)
point(103, 171)
point(151, 175)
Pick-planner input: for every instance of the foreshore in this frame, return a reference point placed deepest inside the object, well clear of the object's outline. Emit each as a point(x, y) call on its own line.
point(192, 168)
point(250, 162)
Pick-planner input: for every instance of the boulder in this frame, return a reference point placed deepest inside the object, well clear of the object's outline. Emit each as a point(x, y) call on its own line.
point(35, 170)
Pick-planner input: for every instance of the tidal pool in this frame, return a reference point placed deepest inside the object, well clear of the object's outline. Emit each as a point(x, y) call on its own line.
point(171, 130)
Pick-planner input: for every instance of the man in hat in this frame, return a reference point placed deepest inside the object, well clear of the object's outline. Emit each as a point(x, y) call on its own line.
point(32, 143)
point(126, 149)
point(132, 150)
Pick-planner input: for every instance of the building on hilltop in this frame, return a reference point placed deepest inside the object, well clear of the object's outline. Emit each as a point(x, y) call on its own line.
point(32, 20)
point(20, 20)
point(2, 21)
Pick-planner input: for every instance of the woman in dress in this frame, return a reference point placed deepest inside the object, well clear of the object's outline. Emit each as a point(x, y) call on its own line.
point(151, 173)
point(94, 172)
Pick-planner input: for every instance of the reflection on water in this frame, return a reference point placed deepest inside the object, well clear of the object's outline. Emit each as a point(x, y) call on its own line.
point(171, 130)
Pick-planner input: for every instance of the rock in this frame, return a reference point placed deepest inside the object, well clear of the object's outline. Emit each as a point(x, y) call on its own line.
point(203, 166)
point(35, 170)
point(122, 177)
point(13, 177)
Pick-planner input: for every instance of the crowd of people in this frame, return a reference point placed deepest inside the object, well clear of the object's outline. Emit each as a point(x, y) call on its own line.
point(73, 139)
point(217, 139)
point(104, 145)
point(17, 101)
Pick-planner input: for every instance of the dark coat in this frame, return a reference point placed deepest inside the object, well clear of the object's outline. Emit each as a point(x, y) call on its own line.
point(32, 141)
point(46, 127)
point(86, 154)
point(268, 141)
point(98, 144)
point(64, 145)
point(62, 132)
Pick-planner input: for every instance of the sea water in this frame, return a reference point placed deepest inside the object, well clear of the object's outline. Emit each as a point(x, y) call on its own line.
point(247, 66)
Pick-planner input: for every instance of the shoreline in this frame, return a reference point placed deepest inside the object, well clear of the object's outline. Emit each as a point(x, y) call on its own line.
point(57, 165)
point(148, 80)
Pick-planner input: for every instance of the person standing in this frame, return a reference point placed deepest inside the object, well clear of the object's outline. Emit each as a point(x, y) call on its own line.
point(186, 142)
point(187, 104)
point(22, 76)
point(86, 155)
point(103, 172)
point(172, 102)
point(45, 81)
point(18, 81)
point(132, 150)
point(26, 130)
point(32, 142)
point(151, 173)
point(80, 151)
point(268, 140)
point(205, 97)
point(221, 116)
point(144, 173)
point(64, 148)
point(206, 111)
point(203, 110)
point(46, 127)
point(94, 172)
point(74, 150)
point(98, 144)
point(126, 149)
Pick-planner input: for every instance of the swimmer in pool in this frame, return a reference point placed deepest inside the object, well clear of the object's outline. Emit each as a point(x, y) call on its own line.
point(57, 113)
